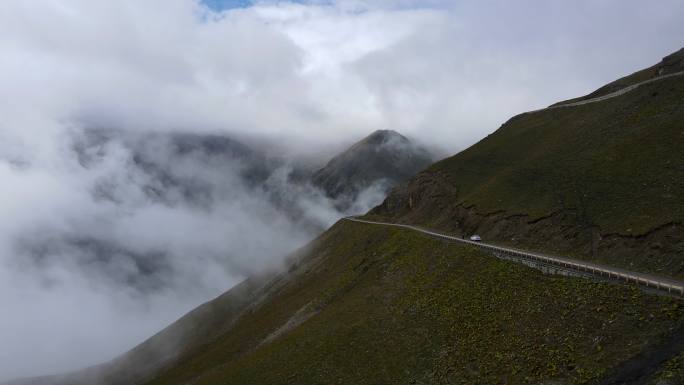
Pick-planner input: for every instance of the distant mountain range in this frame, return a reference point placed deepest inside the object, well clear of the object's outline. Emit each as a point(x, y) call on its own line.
point(201, 172)
point(170, 161)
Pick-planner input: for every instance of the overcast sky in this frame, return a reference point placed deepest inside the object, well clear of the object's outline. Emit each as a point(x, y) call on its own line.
point(449, 72)
point(306, 75)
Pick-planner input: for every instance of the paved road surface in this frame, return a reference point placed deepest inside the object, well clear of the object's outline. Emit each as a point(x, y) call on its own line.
point(603, 271)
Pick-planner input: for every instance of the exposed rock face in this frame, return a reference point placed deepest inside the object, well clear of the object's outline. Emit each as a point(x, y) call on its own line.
point(385, 157)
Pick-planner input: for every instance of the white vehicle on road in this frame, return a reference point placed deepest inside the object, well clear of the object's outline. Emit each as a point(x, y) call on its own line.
point(475, 238)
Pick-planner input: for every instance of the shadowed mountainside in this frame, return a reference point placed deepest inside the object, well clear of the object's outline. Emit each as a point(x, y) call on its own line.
point(601, 181)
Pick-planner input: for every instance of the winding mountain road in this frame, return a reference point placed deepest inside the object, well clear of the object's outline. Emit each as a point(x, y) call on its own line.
point(611, 95)
point(605, 272)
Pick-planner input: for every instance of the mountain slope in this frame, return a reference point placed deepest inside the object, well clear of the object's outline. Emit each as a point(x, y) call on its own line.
point(601, 181)
point(370, 304)
point(389, 306)
point(384, 157)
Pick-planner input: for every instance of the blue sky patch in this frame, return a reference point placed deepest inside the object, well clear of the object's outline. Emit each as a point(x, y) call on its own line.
point(220, 5)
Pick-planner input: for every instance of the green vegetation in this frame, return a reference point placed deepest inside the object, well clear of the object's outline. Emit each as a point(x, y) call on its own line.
point(672, 371)
point(367, 304)
point(619, 162)
point(670, 64)
point(392, 306)
point(602, 181)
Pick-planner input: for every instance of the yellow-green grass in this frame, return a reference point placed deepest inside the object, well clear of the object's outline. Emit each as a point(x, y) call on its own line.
point(619, 162)
point(390, 306)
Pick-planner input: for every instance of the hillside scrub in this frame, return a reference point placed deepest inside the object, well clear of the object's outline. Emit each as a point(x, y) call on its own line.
point(601, 181)
point(392, 306)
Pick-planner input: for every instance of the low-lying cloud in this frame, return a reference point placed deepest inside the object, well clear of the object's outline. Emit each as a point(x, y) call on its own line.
point(133, 229)
point(110, 228)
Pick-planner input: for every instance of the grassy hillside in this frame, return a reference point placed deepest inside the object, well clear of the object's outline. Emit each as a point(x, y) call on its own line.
point(366, 304)
point(374, 305)
point(602, 175)
point(619, 160)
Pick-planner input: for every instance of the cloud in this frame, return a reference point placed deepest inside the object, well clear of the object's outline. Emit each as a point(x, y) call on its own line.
point(322, 71)
point(129, 229)
point(100, 248)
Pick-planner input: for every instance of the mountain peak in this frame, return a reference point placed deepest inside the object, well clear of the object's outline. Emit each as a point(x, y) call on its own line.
point(385, 139)
point(385, 134)
point(383, 156)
